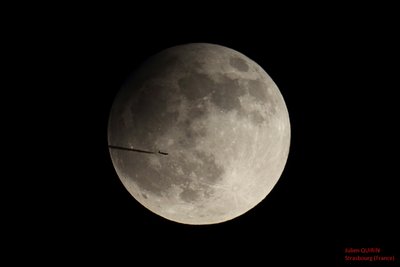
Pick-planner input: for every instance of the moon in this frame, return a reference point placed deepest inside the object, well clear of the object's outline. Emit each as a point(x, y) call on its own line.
point(220, 124)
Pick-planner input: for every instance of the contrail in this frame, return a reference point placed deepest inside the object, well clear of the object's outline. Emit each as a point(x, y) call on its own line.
point(137, 150)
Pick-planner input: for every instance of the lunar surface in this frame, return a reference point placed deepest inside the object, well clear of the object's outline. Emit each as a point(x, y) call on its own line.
point(220, 123)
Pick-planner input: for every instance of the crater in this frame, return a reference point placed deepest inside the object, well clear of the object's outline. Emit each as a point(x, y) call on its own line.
point(207, 169)
point(193, 134)
point(200, 166)
point(197, 111)
point(224, 94)
point(258, 90)
point(178, 170)
point(189, 195)
point(145, 176)
point(189, 134)
point(196, 85)
point(239, 64)
point(227, 93)
point(256, 117)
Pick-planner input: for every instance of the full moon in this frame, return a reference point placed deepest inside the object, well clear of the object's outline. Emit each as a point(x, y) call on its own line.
point(199, 134)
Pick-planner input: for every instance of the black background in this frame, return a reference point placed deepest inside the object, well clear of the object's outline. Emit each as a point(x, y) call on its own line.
point(336, 71)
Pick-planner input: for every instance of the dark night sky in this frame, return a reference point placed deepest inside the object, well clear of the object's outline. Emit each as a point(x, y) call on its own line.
point(339, 187)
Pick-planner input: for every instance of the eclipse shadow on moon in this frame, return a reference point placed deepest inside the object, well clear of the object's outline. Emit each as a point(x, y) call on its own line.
point(219, 124)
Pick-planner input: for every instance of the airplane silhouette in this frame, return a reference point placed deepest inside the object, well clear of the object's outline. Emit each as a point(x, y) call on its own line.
point(137, 150)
